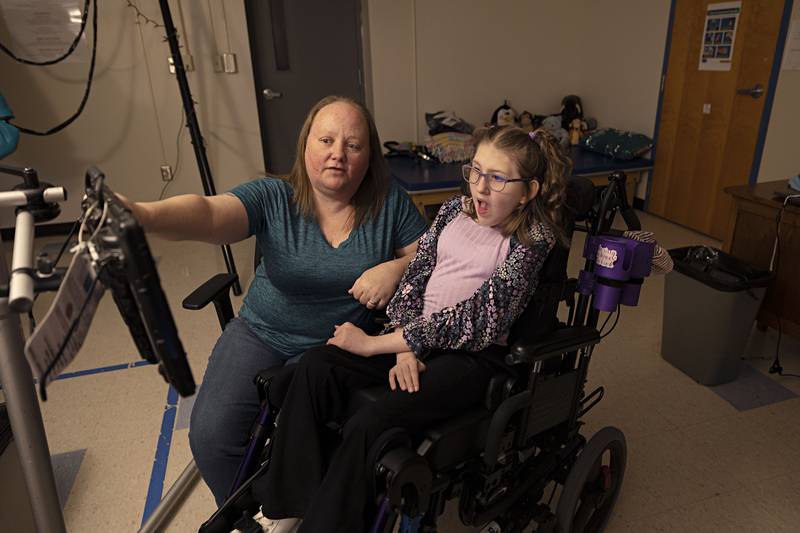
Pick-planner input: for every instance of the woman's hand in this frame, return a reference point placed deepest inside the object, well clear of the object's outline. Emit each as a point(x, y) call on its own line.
point(351, 338)
point(405, 373)
point(133, 207)
point(376, 286)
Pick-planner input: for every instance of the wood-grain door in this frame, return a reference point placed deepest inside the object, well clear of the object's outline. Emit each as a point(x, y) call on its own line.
point(710, 120)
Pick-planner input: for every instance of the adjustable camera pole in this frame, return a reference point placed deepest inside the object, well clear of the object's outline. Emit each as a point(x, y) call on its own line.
point(194, 127)
point(34, 202)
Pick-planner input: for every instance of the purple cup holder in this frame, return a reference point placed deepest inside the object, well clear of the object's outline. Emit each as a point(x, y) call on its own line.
point(620, 266)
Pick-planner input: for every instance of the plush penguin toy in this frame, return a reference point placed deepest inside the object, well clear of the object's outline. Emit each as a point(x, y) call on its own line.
point(504, 115)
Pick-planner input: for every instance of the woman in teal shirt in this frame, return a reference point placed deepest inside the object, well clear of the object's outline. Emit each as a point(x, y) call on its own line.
point(336, 236)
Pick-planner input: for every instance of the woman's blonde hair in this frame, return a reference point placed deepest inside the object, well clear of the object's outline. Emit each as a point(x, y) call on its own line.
point(538, 155)
point(370, 195)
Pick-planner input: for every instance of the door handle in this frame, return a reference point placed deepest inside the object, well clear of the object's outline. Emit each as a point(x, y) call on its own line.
point(269, 94)
point(755, 91)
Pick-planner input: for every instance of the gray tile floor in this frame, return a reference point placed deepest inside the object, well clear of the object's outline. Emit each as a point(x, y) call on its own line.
point(696, 462)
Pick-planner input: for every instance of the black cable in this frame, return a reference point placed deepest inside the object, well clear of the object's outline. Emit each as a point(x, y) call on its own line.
point(32, 318)
point(57, 358)
point(63, 248)
point(603, 335)
point(60, 58)
point(776, 367)
point(85, 98)
point(66, 241)
point(608, 317)
point(177, 164)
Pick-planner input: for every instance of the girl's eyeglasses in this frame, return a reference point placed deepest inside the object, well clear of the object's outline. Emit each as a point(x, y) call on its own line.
point(496, 182)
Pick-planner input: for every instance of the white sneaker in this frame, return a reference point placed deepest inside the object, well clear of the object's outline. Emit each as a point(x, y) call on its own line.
point(284, 525)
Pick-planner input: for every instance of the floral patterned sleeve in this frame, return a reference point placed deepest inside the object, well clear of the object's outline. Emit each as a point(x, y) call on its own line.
point(477, 322)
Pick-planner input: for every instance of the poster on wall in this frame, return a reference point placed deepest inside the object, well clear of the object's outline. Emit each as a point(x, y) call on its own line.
point(719, 35)
point(41, 30)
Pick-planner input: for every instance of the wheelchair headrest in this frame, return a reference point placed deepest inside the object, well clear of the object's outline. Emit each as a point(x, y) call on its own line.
point(580, 197)
point(539, 317)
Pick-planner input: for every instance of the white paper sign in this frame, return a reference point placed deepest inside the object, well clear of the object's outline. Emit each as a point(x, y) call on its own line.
point(719, 36)
point(42, 30)
point(61, 333)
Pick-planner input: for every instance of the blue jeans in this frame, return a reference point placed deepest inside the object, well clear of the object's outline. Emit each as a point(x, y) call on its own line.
point(227, 404)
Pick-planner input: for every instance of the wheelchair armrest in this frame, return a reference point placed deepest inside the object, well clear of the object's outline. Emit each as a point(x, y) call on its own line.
point(214, 290)
point(558, 342)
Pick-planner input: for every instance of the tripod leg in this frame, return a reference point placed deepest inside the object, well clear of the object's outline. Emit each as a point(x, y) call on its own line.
point(172, 500)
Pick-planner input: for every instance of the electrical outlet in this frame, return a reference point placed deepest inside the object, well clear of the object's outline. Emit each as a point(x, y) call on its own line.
point(188, 63)
point(229, 63)
point(166, 173)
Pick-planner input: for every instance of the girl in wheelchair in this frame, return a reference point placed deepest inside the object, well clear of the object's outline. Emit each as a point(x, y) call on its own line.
point(474, 272)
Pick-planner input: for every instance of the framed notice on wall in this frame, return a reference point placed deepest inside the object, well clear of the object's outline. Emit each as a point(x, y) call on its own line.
point(42, 30)
point(719, 35)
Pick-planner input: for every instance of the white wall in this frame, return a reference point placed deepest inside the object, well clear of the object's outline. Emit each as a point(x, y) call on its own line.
point(464, 55)
point(781, 157)
point(470, 55)
point(120, 130)
point(622, 53)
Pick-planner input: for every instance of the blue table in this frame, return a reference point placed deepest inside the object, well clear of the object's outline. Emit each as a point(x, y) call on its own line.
point(432, 183)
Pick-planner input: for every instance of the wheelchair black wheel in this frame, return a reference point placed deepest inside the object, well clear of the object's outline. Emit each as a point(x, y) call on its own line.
point(593, 483)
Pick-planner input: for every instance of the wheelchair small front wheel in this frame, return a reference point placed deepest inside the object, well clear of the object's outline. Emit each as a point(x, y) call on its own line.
point(593, 483)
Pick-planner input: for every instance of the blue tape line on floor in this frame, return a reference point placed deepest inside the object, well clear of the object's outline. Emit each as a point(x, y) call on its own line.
point(156, 487)
point(99, 370)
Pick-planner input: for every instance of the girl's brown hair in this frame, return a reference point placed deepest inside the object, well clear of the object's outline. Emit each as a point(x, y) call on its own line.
point(538, 155)
point(370, 195)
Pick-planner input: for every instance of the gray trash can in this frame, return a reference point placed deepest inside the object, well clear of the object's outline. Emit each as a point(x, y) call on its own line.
point(711, 300)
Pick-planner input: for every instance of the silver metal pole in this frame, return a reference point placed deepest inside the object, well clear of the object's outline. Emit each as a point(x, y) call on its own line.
point(20, 288)
point(26, 418)
point(172, 500)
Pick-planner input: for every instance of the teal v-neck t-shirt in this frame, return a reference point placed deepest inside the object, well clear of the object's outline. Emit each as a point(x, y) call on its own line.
point(299, 291)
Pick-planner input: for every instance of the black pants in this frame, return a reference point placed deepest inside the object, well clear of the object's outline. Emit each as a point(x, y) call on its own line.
point(329, 490)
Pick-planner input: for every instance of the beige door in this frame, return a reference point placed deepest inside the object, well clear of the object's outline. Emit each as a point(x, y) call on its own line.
point(701, 151)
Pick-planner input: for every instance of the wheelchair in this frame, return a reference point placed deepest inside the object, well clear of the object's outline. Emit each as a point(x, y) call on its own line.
point(500, 458)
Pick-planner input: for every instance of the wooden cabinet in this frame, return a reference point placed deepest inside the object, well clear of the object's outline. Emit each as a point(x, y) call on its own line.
point(751, 237)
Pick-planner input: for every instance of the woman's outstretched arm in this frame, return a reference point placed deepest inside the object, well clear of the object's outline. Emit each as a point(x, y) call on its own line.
point(219, 219)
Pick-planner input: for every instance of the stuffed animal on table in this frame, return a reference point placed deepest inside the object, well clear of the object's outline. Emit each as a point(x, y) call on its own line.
point(571, 108)
point(577, 128)
point(503, 115)
point(553, 125)
point(525, 121)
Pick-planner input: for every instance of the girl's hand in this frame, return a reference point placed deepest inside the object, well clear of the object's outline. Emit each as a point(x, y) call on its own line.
point(376, 286)
point(351, 338)
point(405, 373)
